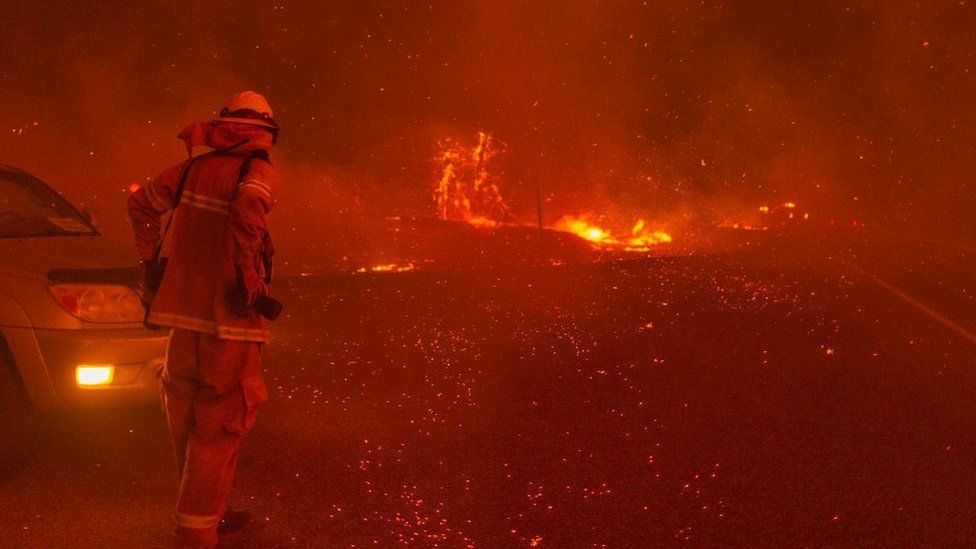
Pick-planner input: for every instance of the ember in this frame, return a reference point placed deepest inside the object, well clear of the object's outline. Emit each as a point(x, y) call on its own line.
point(775, 216)
point(387, 268)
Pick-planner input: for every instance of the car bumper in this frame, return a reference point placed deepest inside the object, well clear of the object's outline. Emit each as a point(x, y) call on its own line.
point(134, 354)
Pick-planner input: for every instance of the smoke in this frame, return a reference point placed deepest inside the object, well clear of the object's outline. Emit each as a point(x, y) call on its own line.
point(852, 109)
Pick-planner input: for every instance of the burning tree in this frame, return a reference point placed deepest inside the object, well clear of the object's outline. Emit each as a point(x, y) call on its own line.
point(467, 191)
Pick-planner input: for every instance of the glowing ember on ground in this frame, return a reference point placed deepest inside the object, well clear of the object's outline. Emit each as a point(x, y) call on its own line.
point(740, 226)
point(387, 268)
point(777, 215)
point(20, 130)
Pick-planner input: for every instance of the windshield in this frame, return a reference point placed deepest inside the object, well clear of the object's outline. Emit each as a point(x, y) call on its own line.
point(28, 207)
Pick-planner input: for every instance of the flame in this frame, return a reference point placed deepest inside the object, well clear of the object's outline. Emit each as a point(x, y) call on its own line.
point(642, 238)
point(639, 239)
point(582, 228)
point(466, 190)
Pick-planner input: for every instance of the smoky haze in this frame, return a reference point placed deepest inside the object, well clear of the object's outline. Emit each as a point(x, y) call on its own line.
point(852, 109)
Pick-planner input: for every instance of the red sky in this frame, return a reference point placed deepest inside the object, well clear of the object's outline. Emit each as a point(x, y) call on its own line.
point(625, 105)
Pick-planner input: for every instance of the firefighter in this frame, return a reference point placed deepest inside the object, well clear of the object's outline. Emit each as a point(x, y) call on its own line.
point(211, 383)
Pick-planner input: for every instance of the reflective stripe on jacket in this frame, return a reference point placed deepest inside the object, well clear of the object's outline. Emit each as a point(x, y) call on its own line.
point(219, 224)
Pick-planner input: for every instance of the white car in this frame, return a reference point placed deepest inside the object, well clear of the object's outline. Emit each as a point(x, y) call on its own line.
point(71, 331)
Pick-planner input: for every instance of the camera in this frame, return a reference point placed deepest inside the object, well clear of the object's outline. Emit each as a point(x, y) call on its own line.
point(264, 305)
point(268, 307)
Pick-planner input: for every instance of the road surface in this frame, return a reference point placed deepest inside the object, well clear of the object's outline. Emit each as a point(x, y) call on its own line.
point(775, 395)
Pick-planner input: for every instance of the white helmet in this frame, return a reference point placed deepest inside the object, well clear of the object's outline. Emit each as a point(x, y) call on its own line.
point(248, 107)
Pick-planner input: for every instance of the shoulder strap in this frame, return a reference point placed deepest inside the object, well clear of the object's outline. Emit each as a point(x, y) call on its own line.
point(246, 165)
point(176, 202)
point(179, 189)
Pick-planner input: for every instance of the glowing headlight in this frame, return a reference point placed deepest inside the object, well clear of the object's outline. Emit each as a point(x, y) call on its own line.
point(91, 376)
point(105, 303)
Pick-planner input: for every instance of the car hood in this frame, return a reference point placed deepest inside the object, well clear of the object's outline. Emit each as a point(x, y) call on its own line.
point(35, 257)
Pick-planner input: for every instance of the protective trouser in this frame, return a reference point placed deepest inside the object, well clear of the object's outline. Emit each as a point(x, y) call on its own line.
point(211, 389)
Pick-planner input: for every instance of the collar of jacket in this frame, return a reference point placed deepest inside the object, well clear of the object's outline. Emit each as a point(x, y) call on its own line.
point(222, 135)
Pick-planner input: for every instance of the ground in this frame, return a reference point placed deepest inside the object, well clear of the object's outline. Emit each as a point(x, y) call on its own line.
point(778, 394)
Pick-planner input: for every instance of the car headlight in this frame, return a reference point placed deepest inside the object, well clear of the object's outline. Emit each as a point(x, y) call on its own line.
point(107, 303)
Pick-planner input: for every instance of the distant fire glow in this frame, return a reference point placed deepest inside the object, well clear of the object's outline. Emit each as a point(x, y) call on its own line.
point(468, 191)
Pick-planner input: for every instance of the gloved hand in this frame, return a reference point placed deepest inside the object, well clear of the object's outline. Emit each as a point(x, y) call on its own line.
point(253, 285)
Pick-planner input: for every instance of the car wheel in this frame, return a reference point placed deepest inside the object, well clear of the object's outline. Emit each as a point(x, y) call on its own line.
point(19, 417)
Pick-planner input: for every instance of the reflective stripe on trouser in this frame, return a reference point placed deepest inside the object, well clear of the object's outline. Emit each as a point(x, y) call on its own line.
point(210, 391)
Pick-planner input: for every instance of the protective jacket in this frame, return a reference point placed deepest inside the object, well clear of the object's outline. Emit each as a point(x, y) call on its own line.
point(219, 227)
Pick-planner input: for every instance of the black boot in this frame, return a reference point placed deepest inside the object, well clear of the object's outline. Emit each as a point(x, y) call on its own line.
point(232, 521)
